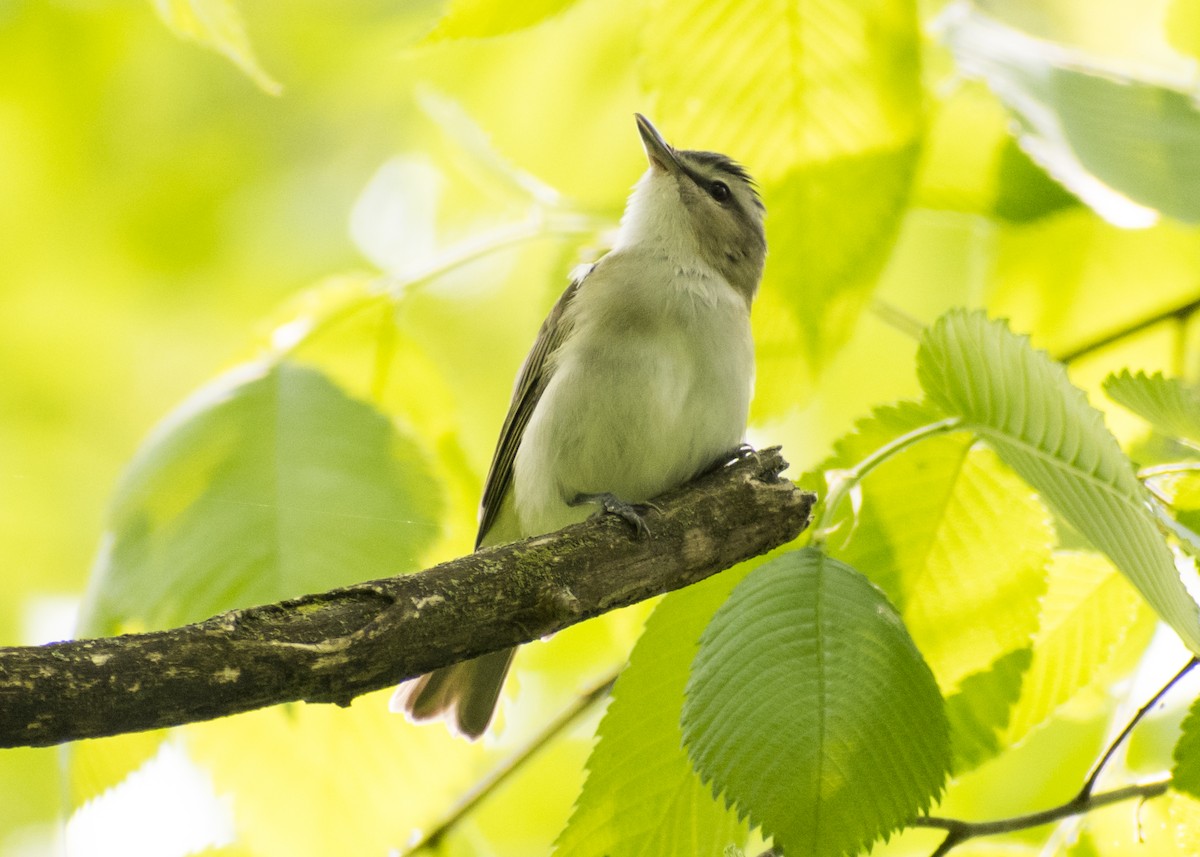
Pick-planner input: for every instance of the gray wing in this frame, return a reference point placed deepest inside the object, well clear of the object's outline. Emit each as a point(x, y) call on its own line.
point(535, 374)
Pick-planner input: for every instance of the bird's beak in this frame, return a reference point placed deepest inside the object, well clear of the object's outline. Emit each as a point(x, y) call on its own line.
point(661, 156)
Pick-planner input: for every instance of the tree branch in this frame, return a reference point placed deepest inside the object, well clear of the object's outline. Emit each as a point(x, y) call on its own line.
point(334, 646)
point(486, 787)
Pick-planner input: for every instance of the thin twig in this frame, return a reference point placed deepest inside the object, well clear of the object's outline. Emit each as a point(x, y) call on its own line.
point(842, 482)
point(539, 224)
point(1090, 783)
point(898, 319)
point(1181, 313)
point(502, 774)
point(959, 832)
point(906, 324)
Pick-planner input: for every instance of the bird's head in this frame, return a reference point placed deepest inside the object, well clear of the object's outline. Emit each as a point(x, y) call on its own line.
point(697, 204)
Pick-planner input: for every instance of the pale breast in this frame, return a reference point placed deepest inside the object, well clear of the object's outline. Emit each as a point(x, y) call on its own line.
point(652, 386)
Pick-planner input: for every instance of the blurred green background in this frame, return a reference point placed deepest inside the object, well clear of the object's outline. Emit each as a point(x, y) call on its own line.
point(154, 207)
point(165, 215)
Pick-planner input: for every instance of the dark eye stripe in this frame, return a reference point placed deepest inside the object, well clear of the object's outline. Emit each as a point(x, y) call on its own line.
point(722, 166)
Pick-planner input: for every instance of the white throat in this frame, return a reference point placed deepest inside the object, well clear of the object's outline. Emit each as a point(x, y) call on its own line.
point(656, 221)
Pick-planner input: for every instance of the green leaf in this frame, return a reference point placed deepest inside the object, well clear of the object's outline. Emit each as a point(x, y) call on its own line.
point(94, 767)
point(839, 222)
point(888, 531)
point(1086, 614)
point(812, 711)
point(267, 484)
point(957, 541)
point(852, 78)
point(1023, 405)
point(31, 780)
point(424, 215)
point(960, 544)
point(1024, 192)
point(216, 24)
point(981, 709)
point(1125, 146)
point(320, 307)
point(1084, 846)
point(1168, 404)
point(1185, 775)
point(480, 19)
point(974, 569)
point(641, 797)
point(823, 104)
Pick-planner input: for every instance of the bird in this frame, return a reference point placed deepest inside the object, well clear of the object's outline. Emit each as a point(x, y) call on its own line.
point(639, 380)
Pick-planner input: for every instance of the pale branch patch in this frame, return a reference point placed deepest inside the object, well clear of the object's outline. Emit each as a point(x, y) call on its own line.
point(334, 646)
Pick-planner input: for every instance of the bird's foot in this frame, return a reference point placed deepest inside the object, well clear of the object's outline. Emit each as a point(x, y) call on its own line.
point(732, 456)
point(630, 513)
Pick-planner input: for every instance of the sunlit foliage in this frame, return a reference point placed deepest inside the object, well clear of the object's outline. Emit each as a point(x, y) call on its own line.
point(269, 271)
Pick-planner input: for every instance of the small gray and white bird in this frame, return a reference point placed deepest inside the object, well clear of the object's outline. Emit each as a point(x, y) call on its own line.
point(639, 380)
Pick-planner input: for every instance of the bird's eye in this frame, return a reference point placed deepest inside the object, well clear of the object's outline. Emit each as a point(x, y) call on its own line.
point(720, 191)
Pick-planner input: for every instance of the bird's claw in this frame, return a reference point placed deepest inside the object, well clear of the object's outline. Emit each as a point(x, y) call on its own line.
point(738, 453)
point(630, 513)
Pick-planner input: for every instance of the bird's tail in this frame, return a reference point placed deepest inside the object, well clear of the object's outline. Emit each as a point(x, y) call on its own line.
point(464, 694)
